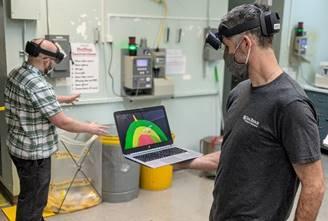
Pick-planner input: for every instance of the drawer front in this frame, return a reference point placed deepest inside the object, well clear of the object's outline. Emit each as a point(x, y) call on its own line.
point(320, 101)
point(323, 128)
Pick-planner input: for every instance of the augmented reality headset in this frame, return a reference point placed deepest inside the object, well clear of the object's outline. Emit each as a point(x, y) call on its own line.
point(34, 50)
point(268, 21)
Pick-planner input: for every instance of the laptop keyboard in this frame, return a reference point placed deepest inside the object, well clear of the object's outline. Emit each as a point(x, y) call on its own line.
point(160, 154)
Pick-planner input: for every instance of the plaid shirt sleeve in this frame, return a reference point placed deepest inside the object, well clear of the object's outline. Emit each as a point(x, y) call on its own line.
point(44, 99)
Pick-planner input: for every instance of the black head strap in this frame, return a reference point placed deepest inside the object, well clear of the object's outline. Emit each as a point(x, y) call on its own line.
point(248, 25)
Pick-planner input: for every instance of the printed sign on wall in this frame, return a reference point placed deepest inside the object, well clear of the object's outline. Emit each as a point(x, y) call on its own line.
point(85, 70)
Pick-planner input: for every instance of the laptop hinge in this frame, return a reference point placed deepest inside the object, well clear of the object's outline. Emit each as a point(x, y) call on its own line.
point(150, 151)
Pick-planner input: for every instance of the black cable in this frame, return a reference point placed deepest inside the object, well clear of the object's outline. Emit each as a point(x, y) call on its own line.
point(70, 54)
point(109, 71)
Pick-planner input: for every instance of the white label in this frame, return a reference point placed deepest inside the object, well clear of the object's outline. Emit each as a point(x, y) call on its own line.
point(276, 26)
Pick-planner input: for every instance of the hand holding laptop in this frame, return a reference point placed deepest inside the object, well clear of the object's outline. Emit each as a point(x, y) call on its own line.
point(145, 137)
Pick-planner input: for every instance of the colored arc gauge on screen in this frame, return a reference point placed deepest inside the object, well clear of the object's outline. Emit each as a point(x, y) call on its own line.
point(143, 132)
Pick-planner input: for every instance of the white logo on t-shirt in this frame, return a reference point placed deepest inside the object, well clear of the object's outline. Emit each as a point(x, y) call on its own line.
point(250, 121)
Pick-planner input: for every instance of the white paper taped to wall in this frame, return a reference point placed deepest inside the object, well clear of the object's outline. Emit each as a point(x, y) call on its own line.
point(85, 71)
point(175, 62)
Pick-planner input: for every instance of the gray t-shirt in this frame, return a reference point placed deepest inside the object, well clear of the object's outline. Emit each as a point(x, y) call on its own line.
point(267, 129)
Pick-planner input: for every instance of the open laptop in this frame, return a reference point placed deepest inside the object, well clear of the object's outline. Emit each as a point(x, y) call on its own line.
point(145, 137)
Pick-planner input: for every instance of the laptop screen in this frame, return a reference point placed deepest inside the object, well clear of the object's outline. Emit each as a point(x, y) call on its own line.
point(141, 129)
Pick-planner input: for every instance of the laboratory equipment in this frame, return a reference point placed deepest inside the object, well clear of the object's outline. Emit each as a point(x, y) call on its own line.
point(321, 78)
point(301, 40)
point(138, 77)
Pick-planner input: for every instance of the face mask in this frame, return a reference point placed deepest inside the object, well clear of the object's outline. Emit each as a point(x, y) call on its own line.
point(49, 69)
point(238, 70)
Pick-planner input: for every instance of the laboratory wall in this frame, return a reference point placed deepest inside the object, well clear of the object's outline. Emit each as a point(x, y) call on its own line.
point(194, 111)
point(314, 15)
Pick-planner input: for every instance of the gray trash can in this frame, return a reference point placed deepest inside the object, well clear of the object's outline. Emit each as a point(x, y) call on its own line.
point(120, 177)
point(209, 145)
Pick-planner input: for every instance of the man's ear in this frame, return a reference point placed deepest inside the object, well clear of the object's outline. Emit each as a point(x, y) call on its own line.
point(248, 42)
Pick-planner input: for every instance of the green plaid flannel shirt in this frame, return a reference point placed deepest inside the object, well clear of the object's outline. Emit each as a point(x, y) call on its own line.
point(30, 101)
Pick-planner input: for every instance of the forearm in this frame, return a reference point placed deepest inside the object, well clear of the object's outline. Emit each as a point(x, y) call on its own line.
point(74, 126)
point(208, 162)
point(309, 203)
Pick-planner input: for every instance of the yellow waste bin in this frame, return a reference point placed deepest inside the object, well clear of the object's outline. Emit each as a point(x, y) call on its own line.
point(156, 178)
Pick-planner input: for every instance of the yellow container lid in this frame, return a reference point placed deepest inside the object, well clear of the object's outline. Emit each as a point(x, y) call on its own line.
point(113, 140)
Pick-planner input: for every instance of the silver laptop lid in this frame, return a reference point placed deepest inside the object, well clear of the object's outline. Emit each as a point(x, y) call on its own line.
point(143, 129)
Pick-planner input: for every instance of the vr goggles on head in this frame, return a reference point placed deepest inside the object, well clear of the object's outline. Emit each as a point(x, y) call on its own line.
point(34, 50)
point(268, 21)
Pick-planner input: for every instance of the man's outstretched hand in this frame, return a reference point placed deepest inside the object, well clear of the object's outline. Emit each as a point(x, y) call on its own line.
point(73, 98)
point(70, 99)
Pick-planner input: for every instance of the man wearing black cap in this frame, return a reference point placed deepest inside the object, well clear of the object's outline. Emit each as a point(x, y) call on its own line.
point(32, 113)
point(271, 139)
